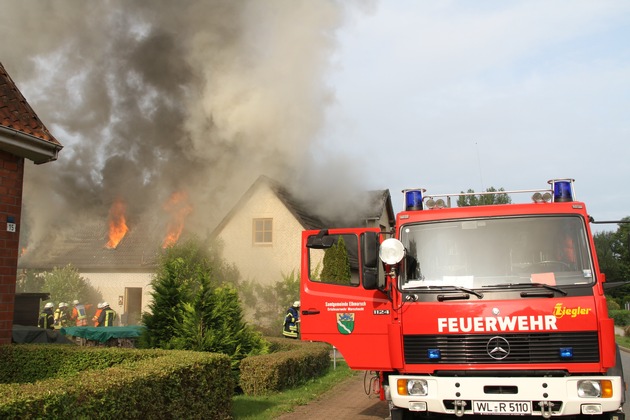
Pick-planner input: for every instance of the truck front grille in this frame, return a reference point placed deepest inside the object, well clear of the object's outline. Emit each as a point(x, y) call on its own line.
point(520, 348)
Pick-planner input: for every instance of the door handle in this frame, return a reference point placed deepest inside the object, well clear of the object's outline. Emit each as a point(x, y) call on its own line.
point(310, 312)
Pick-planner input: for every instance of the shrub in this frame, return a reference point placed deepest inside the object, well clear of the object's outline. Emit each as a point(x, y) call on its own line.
point(144, 384)
point(267, 304)
point(620, 316)
point(612, 305)
point(300, 362)
point(193, 309)
point(336, 264)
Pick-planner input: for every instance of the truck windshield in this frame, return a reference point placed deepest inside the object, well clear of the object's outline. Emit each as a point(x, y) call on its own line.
point(485, 252)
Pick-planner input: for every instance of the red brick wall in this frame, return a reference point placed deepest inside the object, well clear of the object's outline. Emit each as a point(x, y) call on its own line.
point(11, 178)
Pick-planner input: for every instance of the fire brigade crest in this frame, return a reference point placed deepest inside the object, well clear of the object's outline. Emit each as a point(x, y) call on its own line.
point(345, 323)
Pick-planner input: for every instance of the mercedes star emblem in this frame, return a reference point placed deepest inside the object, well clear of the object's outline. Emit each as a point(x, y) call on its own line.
point(498, 348)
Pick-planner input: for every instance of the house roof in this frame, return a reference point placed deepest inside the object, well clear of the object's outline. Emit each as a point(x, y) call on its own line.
point(22, 133)
point(376, 202)
point(83, 244)
point(297, 208)
point(84, 248)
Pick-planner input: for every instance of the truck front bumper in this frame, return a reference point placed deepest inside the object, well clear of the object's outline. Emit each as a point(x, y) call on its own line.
point(536, 396)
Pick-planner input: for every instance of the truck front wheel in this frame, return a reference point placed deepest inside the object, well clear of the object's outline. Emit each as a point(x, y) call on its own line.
point(396, 413)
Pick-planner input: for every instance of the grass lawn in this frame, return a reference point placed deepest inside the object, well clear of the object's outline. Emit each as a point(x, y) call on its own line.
point(623, 341)
point(271, 406)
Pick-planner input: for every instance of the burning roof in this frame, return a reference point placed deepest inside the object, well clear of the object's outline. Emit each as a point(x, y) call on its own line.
point(85, 246)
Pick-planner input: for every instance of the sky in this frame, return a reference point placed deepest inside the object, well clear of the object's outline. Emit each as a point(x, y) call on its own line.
point(153, 97)
point(452, 95)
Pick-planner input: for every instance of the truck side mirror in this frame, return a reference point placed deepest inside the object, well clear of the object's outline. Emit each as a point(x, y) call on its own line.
point(369, 252)
point(321, 241)
point(370, 249)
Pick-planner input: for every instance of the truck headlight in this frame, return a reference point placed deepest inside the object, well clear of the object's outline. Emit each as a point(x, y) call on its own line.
point(412, 387)
point(595, 388)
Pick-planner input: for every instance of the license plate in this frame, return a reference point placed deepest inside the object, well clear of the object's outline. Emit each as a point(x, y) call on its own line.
point(502, 407)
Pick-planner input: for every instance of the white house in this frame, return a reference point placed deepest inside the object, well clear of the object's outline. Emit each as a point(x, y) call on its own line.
point(261, 236)
point(262, 233)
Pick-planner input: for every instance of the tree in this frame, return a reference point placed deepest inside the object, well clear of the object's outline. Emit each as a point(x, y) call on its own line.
point(613, 251)
point(609, 260)
point(613, 254)
point(193, 310)
point(64, 284)
point(29, 281)
point(166, 308)
point(336, 265)
point(268, 303)
point(483, 199)
point(621, 248)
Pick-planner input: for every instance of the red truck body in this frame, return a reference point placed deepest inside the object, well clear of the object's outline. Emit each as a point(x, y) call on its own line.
point(479, 314)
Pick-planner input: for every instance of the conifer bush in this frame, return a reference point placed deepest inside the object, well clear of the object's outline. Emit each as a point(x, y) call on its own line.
point(195, 308)
point(336, 265)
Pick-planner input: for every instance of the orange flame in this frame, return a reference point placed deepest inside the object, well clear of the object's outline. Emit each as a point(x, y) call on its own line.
point(178, 207)
point(117, 223)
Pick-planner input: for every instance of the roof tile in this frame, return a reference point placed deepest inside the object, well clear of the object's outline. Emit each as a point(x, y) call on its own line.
point(16, 113)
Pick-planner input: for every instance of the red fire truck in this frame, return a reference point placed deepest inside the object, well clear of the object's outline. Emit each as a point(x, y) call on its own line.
point(473, 310)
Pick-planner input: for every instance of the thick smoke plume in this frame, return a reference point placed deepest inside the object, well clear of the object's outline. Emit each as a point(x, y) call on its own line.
point(152, 97)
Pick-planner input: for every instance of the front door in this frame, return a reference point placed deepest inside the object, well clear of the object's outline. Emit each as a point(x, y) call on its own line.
point(133, 305)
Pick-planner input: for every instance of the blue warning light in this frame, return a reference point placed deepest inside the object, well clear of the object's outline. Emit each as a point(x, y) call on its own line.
point(413, 199)
point(562, 190)
point(566, 352)
point(434, 354)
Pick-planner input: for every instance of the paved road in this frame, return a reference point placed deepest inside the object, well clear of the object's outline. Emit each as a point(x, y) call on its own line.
point(347, 400)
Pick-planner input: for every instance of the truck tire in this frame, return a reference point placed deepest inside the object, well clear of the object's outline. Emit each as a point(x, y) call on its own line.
point(399, 414)
point(618, 371)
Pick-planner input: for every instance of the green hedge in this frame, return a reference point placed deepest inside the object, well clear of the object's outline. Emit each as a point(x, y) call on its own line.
point(620, 316)
point(292, 363)
point(156, 384)
point(36, 362)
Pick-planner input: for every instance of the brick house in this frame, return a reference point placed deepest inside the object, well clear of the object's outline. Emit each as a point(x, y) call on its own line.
point(22, 136)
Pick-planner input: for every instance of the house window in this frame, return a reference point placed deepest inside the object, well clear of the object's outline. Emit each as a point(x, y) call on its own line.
point(263, 231)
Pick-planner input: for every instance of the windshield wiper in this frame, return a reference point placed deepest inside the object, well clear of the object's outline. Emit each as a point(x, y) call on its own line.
point(453, 288)
point(528, 284)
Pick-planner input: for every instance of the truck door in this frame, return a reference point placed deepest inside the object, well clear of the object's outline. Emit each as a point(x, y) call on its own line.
point(342, 298)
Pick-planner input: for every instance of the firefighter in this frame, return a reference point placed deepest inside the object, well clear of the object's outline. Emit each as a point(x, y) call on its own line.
point(107, 316)
point(79, 314)
point(61, 315)
point(97, 314)
point(291, 325)
point(46, 317)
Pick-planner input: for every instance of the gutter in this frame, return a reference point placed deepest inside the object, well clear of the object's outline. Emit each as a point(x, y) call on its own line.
point(28, 146)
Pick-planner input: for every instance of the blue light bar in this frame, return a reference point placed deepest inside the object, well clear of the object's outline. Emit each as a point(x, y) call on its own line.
point(413, 199)
point(562, 190)
point(566, 352)
point(434, 354)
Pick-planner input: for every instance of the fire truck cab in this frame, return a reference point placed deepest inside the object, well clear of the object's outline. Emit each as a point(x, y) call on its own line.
point(477, 310)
